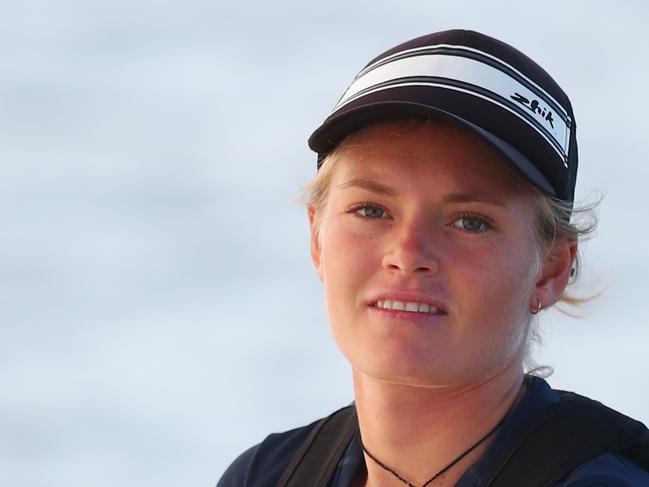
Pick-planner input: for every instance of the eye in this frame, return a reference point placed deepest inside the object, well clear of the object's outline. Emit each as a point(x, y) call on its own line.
point(473, 223)
point(368, 210)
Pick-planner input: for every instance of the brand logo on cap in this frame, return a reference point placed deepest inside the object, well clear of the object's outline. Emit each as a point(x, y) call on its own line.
point(534, 107)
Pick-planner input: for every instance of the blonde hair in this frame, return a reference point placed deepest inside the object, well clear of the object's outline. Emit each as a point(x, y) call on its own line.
point(558, 219)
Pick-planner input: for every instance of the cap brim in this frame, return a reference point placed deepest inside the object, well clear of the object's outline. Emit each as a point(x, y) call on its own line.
point(336, 128)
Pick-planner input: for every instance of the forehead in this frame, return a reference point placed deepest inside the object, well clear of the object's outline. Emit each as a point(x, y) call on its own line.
point(426, 151)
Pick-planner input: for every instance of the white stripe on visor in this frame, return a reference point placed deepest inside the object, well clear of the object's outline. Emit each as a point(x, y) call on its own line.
point(468, 75)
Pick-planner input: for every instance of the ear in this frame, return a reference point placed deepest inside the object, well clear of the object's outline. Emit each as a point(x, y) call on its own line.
point(316, 254)
point(555, 273)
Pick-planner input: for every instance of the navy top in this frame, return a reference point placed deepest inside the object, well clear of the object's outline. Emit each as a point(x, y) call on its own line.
point(263, 464)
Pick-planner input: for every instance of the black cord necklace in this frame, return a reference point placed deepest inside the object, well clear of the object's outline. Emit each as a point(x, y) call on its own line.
point(442, 471)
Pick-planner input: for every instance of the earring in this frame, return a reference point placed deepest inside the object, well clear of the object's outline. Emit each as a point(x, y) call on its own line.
point(537, 309)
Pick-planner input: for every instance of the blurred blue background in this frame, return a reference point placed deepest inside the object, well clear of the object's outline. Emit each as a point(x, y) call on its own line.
point(159, 311)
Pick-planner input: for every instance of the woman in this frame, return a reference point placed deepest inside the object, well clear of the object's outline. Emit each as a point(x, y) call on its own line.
point(440, 225)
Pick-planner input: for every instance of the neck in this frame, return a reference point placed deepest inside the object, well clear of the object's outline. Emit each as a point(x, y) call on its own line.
point(417, 431)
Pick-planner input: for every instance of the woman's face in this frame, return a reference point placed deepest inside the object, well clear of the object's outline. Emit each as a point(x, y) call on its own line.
point(427, 252)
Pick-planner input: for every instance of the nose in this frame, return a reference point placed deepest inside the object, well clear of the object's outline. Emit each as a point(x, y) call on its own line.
point(412, 249)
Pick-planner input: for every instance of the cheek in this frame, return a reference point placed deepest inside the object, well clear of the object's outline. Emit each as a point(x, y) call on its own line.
point(345, 246)
point(497, 285)
point(516, 286)
point(511, 296)
point(351, 262)
point(345, 259)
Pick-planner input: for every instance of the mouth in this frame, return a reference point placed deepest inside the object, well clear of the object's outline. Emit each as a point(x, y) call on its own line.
point(408, 306)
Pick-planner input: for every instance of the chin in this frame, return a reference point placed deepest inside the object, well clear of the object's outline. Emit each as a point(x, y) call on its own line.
point(404, 372)
point(428, 374)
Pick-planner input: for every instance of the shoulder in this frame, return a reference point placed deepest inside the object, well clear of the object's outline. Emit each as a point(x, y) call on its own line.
point(264, 463)
point(607, 470)
point(561, 438)
point(614, 448)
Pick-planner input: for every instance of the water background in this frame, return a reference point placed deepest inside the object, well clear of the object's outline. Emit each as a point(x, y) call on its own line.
point(158, 309)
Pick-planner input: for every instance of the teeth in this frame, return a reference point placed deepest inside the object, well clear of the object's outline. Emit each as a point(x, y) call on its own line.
point(410, 306)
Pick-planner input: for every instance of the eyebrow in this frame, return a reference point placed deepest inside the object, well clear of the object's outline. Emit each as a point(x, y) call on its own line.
point(369, 185)
point(459, 197)
point(473, 197)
